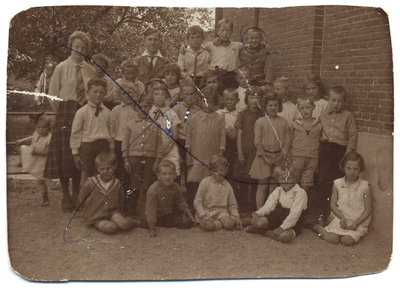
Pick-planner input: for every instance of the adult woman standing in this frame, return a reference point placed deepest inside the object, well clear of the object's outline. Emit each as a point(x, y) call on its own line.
point(68, 82)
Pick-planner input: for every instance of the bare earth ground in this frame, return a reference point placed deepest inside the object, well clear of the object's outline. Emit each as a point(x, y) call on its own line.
point(38, 251)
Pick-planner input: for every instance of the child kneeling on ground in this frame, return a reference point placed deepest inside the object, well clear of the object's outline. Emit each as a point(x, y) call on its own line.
point(102, 197)
point(215, 202)
point(165, 205)
point(281, 217)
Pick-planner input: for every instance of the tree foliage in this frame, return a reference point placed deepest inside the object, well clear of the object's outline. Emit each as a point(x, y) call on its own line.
point(38, 33)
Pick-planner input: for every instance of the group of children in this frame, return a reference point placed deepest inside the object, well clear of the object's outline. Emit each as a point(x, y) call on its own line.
point(203, 145)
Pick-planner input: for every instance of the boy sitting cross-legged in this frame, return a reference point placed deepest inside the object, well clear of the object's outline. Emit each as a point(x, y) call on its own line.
point(102, 197)
point(165, 205)
point(215, 201)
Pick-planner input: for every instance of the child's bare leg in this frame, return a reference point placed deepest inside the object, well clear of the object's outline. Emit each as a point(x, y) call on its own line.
point(124, 223)
point(228, 222)
point(327, 236)
point(107, 226)
point(347, 240)
point(66, 200)
point(260, 194)
point(43, 190)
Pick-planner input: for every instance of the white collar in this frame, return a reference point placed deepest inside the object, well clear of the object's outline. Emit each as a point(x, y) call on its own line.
point(145, 53)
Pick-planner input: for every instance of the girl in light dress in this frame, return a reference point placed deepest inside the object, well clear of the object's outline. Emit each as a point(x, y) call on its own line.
point(34, 150)
point(351, 204)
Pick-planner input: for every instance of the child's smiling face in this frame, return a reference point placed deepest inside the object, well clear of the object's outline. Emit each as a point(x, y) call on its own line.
point(166, 175)
point(96, 94)
point(254, 39)
point(272, 108)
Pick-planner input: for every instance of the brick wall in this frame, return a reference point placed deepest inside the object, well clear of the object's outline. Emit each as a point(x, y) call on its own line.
point(357, 55)
point(347, 46)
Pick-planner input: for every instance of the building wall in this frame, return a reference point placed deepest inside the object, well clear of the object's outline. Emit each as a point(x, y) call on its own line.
point(357, 54)
point(348, 46)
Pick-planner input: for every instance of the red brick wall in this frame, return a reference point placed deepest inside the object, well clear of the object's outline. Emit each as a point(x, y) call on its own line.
point(357, 43)
point(317, 39)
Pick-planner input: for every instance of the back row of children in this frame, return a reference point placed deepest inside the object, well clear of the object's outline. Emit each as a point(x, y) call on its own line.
point(266, 131)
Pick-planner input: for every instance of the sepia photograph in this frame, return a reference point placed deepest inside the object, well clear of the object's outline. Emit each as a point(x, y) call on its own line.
point(148, 143)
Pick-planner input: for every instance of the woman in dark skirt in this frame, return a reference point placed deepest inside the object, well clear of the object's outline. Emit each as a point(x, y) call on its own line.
point(69, 83)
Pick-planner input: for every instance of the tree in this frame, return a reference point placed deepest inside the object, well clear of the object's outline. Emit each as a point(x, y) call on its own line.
point(41, 32)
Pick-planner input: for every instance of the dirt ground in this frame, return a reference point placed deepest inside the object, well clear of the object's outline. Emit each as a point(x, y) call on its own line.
point(41, 248)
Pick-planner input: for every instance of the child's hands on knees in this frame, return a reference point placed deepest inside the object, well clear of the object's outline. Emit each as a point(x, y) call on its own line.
point(278, 231)
point(127, 166)
point(77, 161)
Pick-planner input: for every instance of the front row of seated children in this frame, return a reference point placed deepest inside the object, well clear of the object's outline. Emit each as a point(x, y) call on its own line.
point(280, 218)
